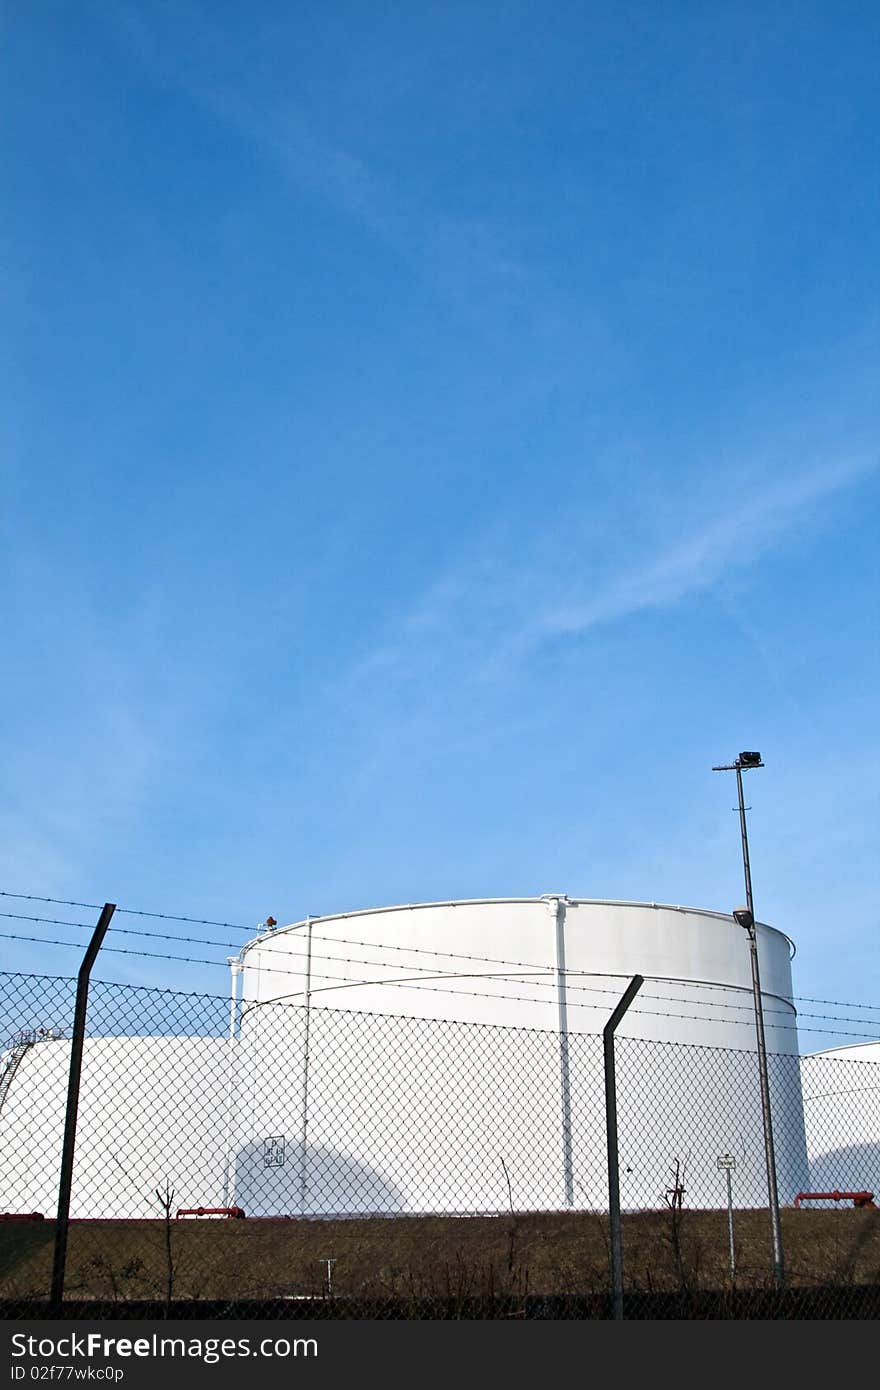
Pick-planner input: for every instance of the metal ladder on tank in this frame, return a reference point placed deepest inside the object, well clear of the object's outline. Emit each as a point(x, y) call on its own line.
point(20, 1044)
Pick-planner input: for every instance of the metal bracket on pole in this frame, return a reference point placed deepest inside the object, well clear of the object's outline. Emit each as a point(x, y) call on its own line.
point(629, 995)
point(76, 1050)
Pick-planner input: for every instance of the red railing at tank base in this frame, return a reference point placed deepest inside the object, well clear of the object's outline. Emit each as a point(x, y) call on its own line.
point(858, 1199)
point(235, 1213)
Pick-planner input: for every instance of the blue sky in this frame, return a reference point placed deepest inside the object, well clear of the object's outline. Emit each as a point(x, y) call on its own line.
point(433, 436)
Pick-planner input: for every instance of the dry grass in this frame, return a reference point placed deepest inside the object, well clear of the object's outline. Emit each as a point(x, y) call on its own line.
point(483, 1257)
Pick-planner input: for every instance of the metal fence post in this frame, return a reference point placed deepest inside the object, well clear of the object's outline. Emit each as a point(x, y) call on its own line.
point(76, 1050)
point(629, 995)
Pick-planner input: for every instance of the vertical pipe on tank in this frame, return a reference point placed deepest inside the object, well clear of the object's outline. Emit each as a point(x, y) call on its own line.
point(236, 966)
point(564, 1079)
point(303, 1162)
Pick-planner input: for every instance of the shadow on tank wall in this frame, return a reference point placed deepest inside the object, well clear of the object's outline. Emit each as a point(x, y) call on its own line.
point(855, 1168)
point(274, 1178)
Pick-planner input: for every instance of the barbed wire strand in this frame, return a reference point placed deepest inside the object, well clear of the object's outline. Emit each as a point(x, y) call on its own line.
point(543, 969)
point(264, 934)
point(357, 960)
point(409, 984)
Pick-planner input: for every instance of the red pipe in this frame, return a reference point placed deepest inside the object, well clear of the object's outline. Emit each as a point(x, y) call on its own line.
point(859, 1199)
point(210, 1211)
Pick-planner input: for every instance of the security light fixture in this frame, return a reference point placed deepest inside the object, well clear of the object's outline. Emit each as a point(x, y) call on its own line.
point(744, 917)
point(749, 760)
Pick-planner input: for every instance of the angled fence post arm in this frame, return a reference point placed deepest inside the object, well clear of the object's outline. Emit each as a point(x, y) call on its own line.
point(76, 1050)
point(628, 996)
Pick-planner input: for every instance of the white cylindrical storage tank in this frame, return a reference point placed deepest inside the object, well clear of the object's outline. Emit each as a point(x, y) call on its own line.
point(448, 1057)
point(841, 1089)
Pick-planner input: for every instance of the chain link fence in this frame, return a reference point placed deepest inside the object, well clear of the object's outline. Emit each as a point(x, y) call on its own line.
point(235, 1159)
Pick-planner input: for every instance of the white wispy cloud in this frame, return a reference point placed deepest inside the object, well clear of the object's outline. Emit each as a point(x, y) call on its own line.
point(735, 539)
point(488, 611)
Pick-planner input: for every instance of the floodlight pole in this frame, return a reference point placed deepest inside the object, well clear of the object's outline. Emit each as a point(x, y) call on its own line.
point(752, 932)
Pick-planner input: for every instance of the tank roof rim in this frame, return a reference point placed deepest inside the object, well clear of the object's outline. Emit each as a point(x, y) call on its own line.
point(844, 1047)
point(544, 898)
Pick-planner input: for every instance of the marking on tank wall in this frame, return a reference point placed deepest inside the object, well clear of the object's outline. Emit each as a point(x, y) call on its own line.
point(273, 1151)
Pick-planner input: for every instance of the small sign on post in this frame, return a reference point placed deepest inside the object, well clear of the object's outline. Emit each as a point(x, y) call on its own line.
point(726, 1163)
